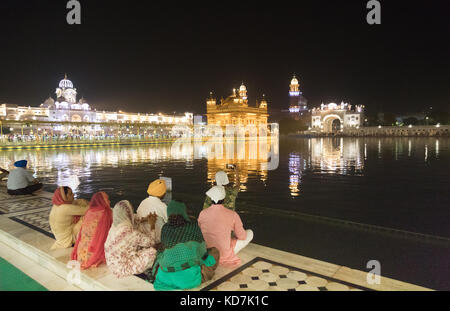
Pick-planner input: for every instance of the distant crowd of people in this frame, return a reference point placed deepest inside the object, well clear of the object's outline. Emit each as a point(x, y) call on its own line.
point(17, 138)
point(174, 250)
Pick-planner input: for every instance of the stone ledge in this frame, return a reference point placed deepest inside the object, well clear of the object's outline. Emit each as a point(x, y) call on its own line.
point(36, 246)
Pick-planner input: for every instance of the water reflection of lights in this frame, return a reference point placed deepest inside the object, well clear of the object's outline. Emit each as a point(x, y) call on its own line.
point(249, 155)
point(69, 162)
point(294, 173)
point(379, 149)
point(336, 156)
point(57, 166)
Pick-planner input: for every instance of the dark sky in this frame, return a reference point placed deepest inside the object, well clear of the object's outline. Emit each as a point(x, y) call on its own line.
point(150, 56)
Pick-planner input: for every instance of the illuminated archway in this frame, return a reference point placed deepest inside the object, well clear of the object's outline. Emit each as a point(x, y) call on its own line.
point(328, 122)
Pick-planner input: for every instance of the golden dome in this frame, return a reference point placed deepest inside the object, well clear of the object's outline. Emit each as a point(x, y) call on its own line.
point(294, 81)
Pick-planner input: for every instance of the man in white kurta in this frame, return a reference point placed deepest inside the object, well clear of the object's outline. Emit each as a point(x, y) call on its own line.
point(153, 204)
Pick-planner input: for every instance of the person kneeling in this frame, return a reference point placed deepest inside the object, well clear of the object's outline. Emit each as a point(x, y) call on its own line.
point(217, 223)
point(183, 262)
point(129, 251)
point(66, 217)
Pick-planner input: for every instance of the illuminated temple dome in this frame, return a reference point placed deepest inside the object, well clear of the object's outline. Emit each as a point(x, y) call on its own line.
point(294, 87)
point(294, 81)
point(65, 93)
point(243, 91)
point(65, 83)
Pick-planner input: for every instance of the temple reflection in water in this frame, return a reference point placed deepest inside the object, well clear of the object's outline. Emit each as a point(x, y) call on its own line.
point(55, 166)
point(326, 155)
point(248, 155)
point(299, 157)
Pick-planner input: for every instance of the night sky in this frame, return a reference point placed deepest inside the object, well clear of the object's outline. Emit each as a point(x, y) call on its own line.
point(149, 56)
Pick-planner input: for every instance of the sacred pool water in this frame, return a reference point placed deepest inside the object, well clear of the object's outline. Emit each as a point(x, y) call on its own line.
point(342, 200)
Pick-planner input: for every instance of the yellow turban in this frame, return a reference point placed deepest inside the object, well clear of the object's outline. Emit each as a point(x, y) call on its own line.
point(157, 188)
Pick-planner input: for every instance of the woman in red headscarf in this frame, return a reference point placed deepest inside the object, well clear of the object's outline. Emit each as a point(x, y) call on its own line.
point(89, 247)
point(65, 215)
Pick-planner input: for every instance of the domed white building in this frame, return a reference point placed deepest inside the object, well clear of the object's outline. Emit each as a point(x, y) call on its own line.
point(66, 108)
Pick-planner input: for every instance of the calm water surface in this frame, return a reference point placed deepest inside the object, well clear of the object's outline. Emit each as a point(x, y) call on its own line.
point(343, 200)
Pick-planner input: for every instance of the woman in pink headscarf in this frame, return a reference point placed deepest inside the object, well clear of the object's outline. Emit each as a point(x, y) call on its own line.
point(89, 247)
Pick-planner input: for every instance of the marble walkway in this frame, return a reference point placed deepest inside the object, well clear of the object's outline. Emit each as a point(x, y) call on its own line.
point(25, 240)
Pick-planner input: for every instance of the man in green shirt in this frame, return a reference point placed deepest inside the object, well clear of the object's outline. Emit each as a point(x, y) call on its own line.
point(230, 190)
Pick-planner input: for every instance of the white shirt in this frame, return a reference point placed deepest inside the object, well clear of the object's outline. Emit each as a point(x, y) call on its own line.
point(19, 178)
point(154, 205)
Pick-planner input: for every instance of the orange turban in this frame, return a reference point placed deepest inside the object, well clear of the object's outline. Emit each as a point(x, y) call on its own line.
point(157, 188)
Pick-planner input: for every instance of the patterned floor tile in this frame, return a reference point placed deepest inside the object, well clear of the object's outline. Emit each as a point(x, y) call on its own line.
point(316, 281)
point(4, 196)
point(228, 286)
point(24, 204)
point(37, 220)
point(261, 274)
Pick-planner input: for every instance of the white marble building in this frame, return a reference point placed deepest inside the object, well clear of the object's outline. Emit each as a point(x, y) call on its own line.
point(333, 117)
point(66, 108)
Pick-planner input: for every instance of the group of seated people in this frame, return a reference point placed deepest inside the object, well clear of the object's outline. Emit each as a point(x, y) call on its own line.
point(175, 251)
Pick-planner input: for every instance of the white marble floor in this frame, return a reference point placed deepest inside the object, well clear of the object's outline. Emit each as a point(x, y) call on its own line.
point(25, 241)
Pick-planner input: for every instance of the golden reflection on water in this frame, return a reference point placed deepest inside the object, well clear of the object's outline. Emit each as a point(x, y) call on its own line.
point(249, 156)
point(340, 156)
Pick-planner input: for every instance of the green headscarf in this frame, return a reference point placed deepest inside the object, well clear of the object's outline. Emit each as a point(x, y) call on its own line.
point(183, 245)
point(177, 208)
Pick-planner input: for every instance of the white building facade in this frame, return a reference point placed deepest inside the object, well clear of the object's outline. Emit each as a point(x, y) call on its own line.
point(66, 108)
point(333, 117)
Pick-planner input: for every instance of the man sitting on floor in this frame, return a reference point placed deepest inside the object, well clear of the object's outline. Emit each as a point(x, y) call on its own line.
point(21, 181)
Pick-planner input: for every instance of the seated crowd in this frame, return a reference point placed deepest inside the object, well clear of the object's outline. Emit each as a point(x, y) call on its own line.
point(175, 251)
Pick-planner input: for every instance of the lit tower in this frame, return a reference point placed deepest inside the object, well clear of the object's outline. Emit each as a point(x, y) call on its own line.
point(243, 91)
point(294, 96)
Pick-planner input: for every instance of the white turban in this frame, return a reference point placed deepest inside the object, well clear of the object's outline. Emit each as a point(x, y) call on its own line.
point(222, 178)
point(216, 193)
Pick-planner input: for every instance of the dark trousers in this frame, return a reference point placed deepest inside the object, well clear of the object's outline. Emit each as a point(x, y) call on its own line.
point(28, 190)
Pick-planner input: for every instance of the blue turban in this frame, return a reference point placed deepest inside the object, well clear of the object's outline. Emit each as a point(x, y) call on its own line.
point(22, 163)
